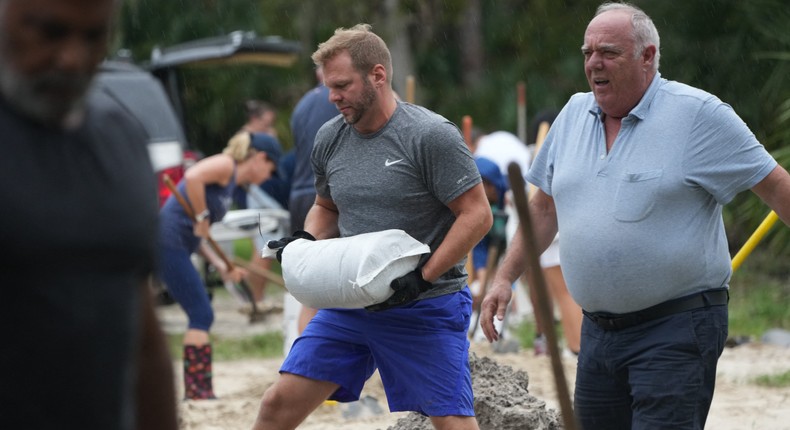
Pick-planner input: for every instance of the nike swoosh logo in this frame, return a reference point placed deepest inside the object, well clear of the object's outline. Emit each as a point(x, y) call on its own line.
point(388, 163)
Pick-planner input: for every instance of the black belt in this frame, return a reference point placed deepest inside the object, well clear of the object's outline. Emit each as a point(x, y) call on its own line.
point(608, 321)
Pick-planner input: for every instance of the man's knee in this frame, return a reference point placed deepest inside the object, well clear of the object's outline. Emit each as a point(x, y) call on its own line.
point(272, 401)
point(282, 407)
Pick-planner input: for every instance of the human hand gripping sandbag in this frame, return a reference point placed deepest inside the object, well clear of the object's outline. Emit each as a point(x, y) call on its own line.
point(405, 289)
point(274, 248)
point(351, 272)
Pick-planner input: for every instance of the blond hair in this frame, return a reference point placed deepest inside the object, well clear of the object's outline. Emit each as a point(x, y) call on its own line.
point(365, 48)
point(239, 147)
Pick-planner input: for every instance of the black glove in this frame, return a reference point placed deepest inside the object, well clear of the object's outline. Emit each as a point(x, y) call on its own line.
point(279, 244)
point(407, 288)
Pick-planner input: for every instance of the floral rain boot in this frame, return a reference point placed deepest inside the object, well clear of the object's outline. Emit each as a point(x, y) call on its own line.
point(197, 372)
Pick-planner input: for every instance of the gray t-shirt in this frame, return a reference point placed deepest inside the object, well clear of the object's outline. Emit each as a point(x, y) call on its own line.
point(401, 177)
point(642, 224)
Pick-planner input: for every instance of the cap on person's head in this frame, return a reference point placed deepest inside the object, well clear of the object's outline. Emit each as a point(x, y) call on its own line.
point(268, 144)
point(490, 172)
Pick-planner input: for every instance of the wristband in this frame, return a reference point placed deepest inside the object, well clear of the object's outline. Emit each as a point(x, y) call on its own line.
point(203, 215)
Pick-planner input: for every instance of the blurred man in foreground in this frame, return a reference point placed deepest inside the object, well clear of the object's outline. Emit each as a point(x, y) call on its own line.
point(82, 348)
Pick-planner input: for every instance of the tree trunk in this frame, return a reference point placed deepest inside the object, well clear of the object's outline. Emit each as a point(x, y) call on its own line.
point(395, 26)
point(471, 38)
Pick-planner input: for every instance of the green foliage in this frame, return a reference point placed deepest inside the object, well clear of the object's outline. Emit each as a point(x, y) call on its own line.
point(779, 380)
point(736, 50)
point(259, 346)
point(214, 96)
point(264, 345)
point(730, 48)
point(243, 248)
point(524, 332)
point(759, 293)
point(720, 47)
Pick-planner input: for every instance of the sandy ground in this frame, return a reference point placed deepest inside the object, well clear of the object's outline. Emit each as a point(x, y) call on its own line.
point(737, 405)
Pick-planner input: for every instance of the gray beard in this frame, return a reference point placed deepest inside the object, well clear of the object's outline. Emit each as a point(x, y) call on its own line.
point(52, 99)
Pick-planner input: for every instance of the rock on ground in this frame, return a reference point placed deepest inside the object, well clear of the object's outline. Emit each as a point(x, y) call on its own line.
point(502, 401)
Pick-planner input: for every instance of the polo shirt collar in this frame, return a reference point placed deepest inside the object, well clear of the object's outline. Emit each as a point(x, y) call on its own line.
point(641, 109)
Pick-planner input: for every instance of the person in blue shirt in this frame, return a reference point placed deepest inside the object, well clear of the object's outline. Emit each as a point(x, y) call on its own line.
point(495, 186)
point(311, 112)
point(635, 174)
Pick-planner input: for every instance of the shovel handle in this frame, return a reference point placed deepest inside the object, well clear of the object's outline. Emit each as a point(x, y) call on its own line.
point(533, 263)
point(754, 239)
point(191, 214)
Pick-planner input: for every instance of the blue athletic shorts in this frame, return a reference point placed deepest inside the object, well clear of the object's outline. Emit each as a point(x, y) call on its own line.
point(420, 349)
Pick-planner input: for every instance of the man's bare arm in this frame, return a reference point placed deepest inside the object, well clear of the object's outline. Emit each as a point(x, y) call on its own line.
point(543, 215)
point(774, 190)
point(321, 220)
point(473, 219)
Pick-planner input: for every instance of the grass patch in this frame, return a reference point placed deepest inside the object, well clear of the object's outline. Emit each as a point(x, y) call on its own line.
point(242, 248)
point(781, 380)
point(524, 332)
point(758, 302)
point(265, 345)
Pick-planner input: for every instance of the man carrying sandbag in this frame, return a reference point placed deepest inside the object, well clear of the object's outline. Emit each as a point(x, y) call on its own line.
point(383, 164)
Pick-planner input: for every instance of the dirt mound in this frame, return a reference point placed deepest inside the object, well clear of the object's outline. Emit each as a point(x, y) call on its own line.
point(502, 401)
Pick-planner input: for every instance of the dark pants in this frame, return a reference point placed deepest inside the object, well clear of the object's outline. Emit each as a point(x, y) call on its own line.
point(656, 375)
point(187, 288)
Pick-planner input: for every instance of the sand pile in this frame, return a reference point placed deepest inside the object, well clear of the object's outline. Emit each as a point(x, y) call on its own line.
point(502, 401)
point(506, 399)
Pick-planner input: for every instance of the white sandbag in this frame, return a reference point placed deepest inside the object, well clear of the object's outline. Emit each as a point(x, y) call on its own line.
point(350, 272)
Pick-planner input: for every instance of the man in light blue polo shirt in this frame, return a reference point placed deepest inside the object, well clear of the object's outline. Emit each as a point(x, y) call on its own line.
point(635, 174)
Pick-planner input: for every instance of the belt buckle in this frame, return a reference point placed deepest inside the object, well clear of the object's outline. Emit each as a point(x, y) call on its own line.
point(604, 323)
point(613, 323)
point(616, 323)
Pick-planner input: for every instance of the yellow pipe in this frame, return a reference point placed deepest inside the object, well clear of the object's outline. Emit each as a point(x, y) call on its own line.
point(756, 237)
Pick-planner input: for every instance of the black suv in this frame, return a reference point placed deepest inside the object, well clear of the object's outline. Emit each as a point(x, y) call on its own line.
point(151, 92)
point(143, 96)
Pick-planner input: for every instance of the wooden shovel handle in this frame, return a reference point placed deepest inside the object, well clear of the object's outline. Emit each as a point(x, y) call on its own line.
point(533, 263)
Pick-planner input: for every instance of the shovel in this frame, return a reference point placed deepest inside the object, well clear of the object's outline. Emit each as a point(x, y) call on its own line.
point(240, 290)
point(520, 197)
